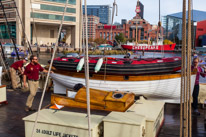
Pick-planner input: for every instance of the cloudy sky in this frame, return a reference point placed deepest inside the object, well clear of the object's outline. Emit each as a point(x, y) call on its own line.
point(126, 8)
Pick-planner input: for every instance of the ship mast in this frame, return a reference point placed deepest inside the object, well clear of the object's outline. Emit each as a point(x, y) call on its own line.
point(137, 12)
point(159, 25)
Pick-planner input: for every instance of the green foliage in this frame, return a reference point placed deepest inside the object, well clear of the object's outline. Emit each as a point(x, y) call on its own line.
point(99, 41)
point(167, 42)
point(143, 41)
point(120, 38)
point(100, 52)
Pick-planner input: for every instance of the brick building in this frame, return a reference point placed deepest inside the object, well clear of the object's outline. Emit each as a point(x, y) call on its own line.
point(144, 29)
point(138, 26)
point(103, 31)
point(92, 22)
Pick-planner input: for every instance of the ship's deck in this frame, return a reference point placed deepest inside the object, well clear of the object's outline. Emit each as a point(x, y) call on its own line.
point(12, 125)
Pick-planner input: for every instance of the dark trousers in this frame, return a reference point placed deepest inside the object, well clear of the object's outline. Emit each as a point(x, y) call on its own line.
point(195, 96)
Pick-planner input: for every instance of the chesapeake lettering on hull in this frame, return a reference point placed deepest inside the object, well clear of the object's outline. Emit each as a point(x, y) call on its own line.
point(146, 47)
point(54, 133)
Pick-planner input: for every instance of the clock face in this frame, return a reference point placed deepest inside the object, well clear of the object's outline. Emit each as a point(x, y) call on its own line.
point(138, 10)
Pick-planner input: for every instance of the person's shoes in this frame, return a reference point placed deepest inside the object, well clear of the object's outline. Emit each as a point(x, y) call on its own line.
point(196, 112)
point(17, 89)
point(32, 109)
point(27, 109)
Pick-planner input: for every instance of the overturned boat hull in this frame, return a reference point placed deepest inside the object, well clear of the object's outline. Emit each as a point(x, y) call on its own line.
point(99, 100)
point(162, 87)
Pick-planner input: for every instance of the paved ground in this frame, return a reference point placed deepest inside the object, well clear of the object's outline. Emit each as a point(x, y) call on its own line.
point(12, 125)
point(171, 124)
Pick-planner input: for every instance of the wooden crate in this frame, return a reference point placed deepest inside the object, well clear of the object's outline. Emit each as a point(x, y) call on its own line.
point(121, 124)
point(154, 113)
point(3, 99)
point(62, 123)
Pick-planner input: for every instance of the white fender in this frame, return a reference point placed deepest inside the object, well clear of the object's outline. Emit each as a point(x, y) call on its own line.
point(98, 65)
point(80, 64)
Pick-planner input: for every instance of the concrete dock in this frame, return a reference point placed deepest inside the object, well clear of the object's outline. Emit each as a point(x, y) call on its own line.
point(12, 125)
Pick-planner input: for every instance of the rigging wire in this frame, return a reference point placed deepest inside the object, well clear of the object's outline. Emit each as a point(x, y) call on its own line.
point(8, 30)
point(3, 57)
point(50, 66)
point(23, 28)
point(4, 61)
point(34, 24)
point(113, 12)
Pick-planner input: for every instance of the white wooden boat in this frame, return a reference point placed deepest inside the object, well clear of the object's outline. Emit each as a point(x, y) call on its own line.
point(162, 87)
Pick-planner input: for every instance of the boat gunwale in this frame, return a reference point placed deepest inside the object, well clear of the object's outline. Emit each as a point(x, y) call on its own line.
point(120, 77)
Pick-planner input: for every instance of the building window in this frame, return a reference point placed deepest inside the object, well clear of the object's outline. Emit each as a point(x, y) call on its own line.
point(111, 36)
point(115, 34)
point(107, 35)
point(57, 8)
point(52, 17)
point(4, 33)
point(73, 2)
point(100, 34)
point(104, 35)
point(51, 33)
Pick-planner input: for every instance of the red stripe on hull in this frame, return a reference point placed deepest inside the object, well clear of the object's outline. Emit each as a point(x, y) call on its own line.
point(150, 47)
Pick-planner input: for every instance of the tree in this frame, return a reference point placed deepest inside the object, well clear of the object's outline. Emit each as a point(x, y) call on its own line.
point(99, 41)
point(90, 40)
point(120, 37)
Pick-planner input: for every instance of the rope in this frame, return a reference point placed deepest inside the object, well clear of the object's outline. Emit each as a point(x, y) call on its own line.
point(182, 96)
point(87, 73)
point(50, 66)
point(189, 66)
point(3, 57)
point(83, 33)
point(23, 28)
point(32, 12)
point(80, 28)
point(4, 65)
point(105, 67)
point(8, 30)
point(186, 76)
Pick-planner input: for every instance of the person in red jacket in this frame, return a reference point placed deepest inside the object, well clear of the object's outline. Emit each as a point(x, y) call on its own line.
point(195, 94)
point(16, 66)
point(32, 74)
